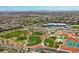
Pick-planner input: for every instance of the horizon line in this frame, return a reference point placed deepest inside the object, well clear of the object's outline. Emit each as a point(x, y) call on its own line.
point(37, 8)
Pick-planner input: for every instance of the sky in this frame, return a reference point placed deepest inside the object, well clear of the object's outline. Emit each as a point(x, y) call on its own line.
point(38, 8)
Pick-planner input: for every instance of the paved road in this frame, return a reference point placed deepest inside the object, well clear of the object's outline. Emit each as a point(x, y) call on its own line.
point(50, 50)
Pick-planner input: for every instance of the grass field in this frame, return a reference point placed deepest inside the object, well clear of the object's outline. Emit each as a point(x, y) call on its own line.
point(61, 38)
point(49, 42)
point(33, 40)
point(21, 38)
point(12, 34)
point(37, 33)
point(22, 35)
point(75, 26)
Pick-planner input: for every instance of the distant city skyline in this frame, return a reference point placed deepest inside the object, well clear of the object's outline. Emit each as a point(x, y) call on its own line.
point(38, 8)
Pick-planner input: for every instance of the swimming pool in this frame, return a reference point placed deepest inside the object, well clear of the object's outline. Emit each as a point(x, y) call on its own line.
point(72, 44)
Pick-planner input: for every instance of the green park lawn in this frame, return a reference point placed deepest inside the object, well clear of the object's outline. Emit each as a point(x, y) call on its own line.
point(12, 34)
point(75, 26)
point(49, 42)
point(61, 38)
point(33, 40)
point(21, 38)
point(37, 33)
point(57, 44)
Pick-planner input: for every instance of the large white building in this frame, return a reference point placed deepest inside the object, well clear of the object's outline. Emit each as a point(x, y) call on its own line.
point(57, 25)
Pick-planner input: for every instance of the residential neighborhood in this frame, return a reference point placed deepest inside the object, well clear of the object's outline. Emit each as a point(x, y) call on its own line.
point(39, 32)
